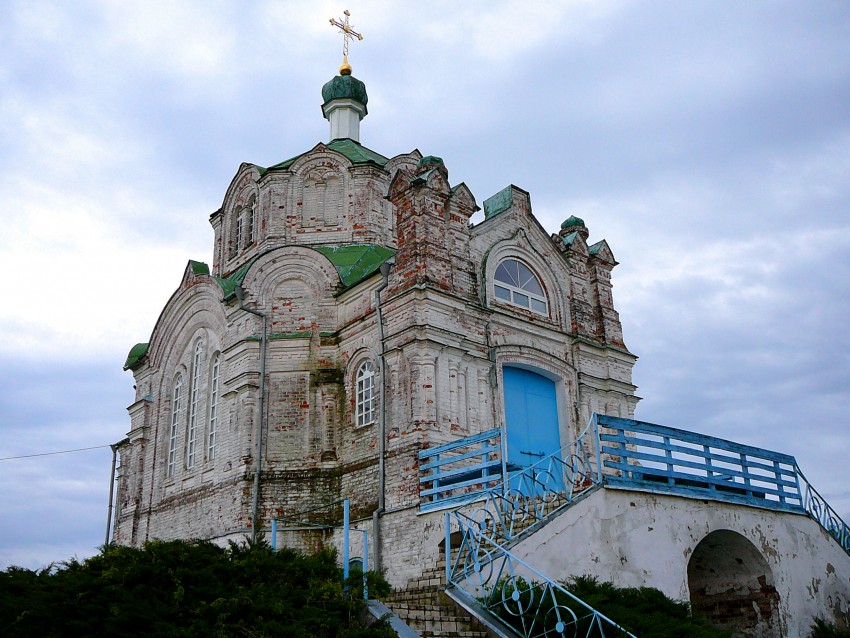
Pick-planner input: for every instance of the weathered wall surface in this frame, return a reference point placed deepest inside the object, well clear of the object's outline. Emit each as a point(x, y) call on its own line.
point(634, 539)
point(446, 340)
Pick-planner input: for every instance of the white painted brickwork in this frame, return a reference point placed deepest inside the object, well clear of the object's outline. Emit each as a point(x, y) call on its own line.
point(446, 339)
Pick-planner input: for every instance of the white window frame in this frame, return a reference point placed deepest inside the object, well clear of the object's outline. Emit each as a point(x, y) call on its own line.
point(514, 293)
point(239, 232)
point(194, 401)
point(213, 412)
point(250, 223)
point(365, 403)
point(176, 400)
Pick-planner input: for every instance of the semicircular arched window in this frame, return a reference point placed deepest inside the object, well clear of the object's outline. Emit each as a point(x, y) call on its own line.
point(516, 284)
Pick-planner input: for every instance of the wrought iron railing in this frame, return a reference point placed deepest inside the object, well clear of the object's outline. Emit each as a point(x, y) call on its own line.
point(515, 593)
point(612, 451)
point(817, 507)
point(508, 588)
point(533, 493)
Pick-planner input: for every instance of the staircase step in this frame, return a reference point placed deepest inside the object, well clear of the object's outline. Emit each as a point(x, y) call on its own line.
point(426, 609)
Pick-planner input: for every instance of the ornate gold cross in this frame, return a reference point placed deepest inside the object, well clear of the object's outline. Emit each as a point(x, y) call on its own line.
point(347, 33)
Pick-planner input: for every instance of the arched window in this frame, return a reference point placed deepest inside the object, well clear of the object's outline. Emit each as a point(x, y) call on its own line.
point(250, 223)
point(194, 400)
point(176, 401)
point(365, 404)
point(240, 233)
point(213, 422)
point(517, 285)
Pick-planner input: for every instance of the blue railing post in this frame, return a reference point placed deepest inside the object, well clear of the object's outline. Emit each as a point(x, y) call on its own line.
point(597, 441)
point(345, 541)
point(448, 550)
point(365, 565)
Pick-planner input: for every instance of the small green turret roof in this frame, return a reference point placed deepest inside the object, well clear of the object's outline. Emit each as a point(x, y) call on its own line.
point(344, 87)
point(430, 160)
point(137, 353)
point(572, 220)
point(569, 239)
point(199, 267)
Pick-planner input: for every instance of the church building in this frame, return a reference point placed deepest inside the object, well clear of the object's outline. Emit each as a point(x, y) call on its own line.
point(353, 317)
point(363, 367)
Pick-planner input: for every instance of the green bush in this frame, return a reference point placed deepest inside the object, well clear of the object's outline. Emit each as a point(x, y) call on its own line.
point(180, 588)
point(823, 629)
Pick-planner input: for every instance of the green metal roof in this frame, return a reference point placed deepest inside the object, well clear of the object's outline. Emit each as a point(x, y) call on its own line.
point(569, 239)
point(137, 353)
point(594, 249)
point(345, 87)
point(498, 203)
point(355, 262)
point(572, 220)
point(430, 160)
point(355, 152)
point(228, 284)
point(199, 267)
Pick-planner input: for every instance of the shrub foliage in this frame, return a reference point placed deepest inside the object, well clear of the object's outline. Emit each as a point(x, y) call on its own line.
point(180, 588)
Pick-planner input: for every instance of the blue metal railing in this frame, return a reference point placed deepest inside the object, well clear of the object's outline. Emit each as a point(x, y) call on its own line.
point(484, 568)
point(643, 455)
point(460, 470)
point(817, 507)
point(515, 593)
point(612, 451)
point(533, 493)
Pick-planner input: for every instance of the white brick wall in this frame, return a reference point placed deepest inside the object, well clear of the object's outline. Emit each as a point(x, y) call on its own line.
point(446, 340)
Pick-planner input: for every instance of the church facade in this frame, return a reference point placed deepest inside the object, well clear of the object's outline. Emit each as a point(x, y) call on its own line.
point(352, 317)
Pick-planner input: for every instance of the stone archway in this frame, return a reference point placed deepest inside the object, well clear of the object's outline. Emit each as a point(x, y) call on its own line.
point(732, 585)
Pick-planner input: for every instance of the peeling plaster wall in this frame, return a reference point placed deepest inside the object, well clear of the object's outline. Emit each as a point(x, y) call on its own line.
point(638, 539)
point(446, 340)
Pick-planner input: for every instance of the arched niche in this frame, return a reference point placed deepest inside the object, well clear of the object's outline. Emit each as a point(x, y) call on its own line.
point(732, 586)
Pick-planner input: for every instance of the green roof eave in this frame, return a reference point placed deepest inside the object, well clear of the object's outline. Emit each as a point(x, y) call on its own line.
point(229, 284)
point(356, 262)
point(137, 353)
point(353, 151)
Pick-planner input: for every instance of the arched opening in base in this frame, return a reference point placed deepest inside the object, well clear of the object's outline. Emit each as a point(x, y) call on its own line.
point(732, 586)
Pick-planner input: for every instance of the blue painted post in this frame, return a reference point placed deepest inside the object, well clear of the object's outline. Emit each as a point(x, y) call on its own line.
point(448, 549)
point(274, 534)
point(365, 564)
point(436, 484)
point(799, 489)
point(597, 442)
point(709, 470)
point(345, 541)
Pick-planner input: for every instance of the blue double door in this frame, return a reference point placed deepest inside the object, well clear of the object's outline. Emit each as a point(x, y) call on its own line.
point(531, 420)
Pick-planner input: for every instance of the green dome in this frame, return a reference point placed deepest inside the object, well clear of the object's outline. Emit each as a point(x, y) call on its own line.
point(345, 87)
point(430, 160)
point(572, 220)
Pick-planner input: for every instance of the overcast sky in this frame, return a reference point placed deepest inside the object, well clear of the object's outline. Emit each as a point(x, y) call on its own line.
point(708, 142)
